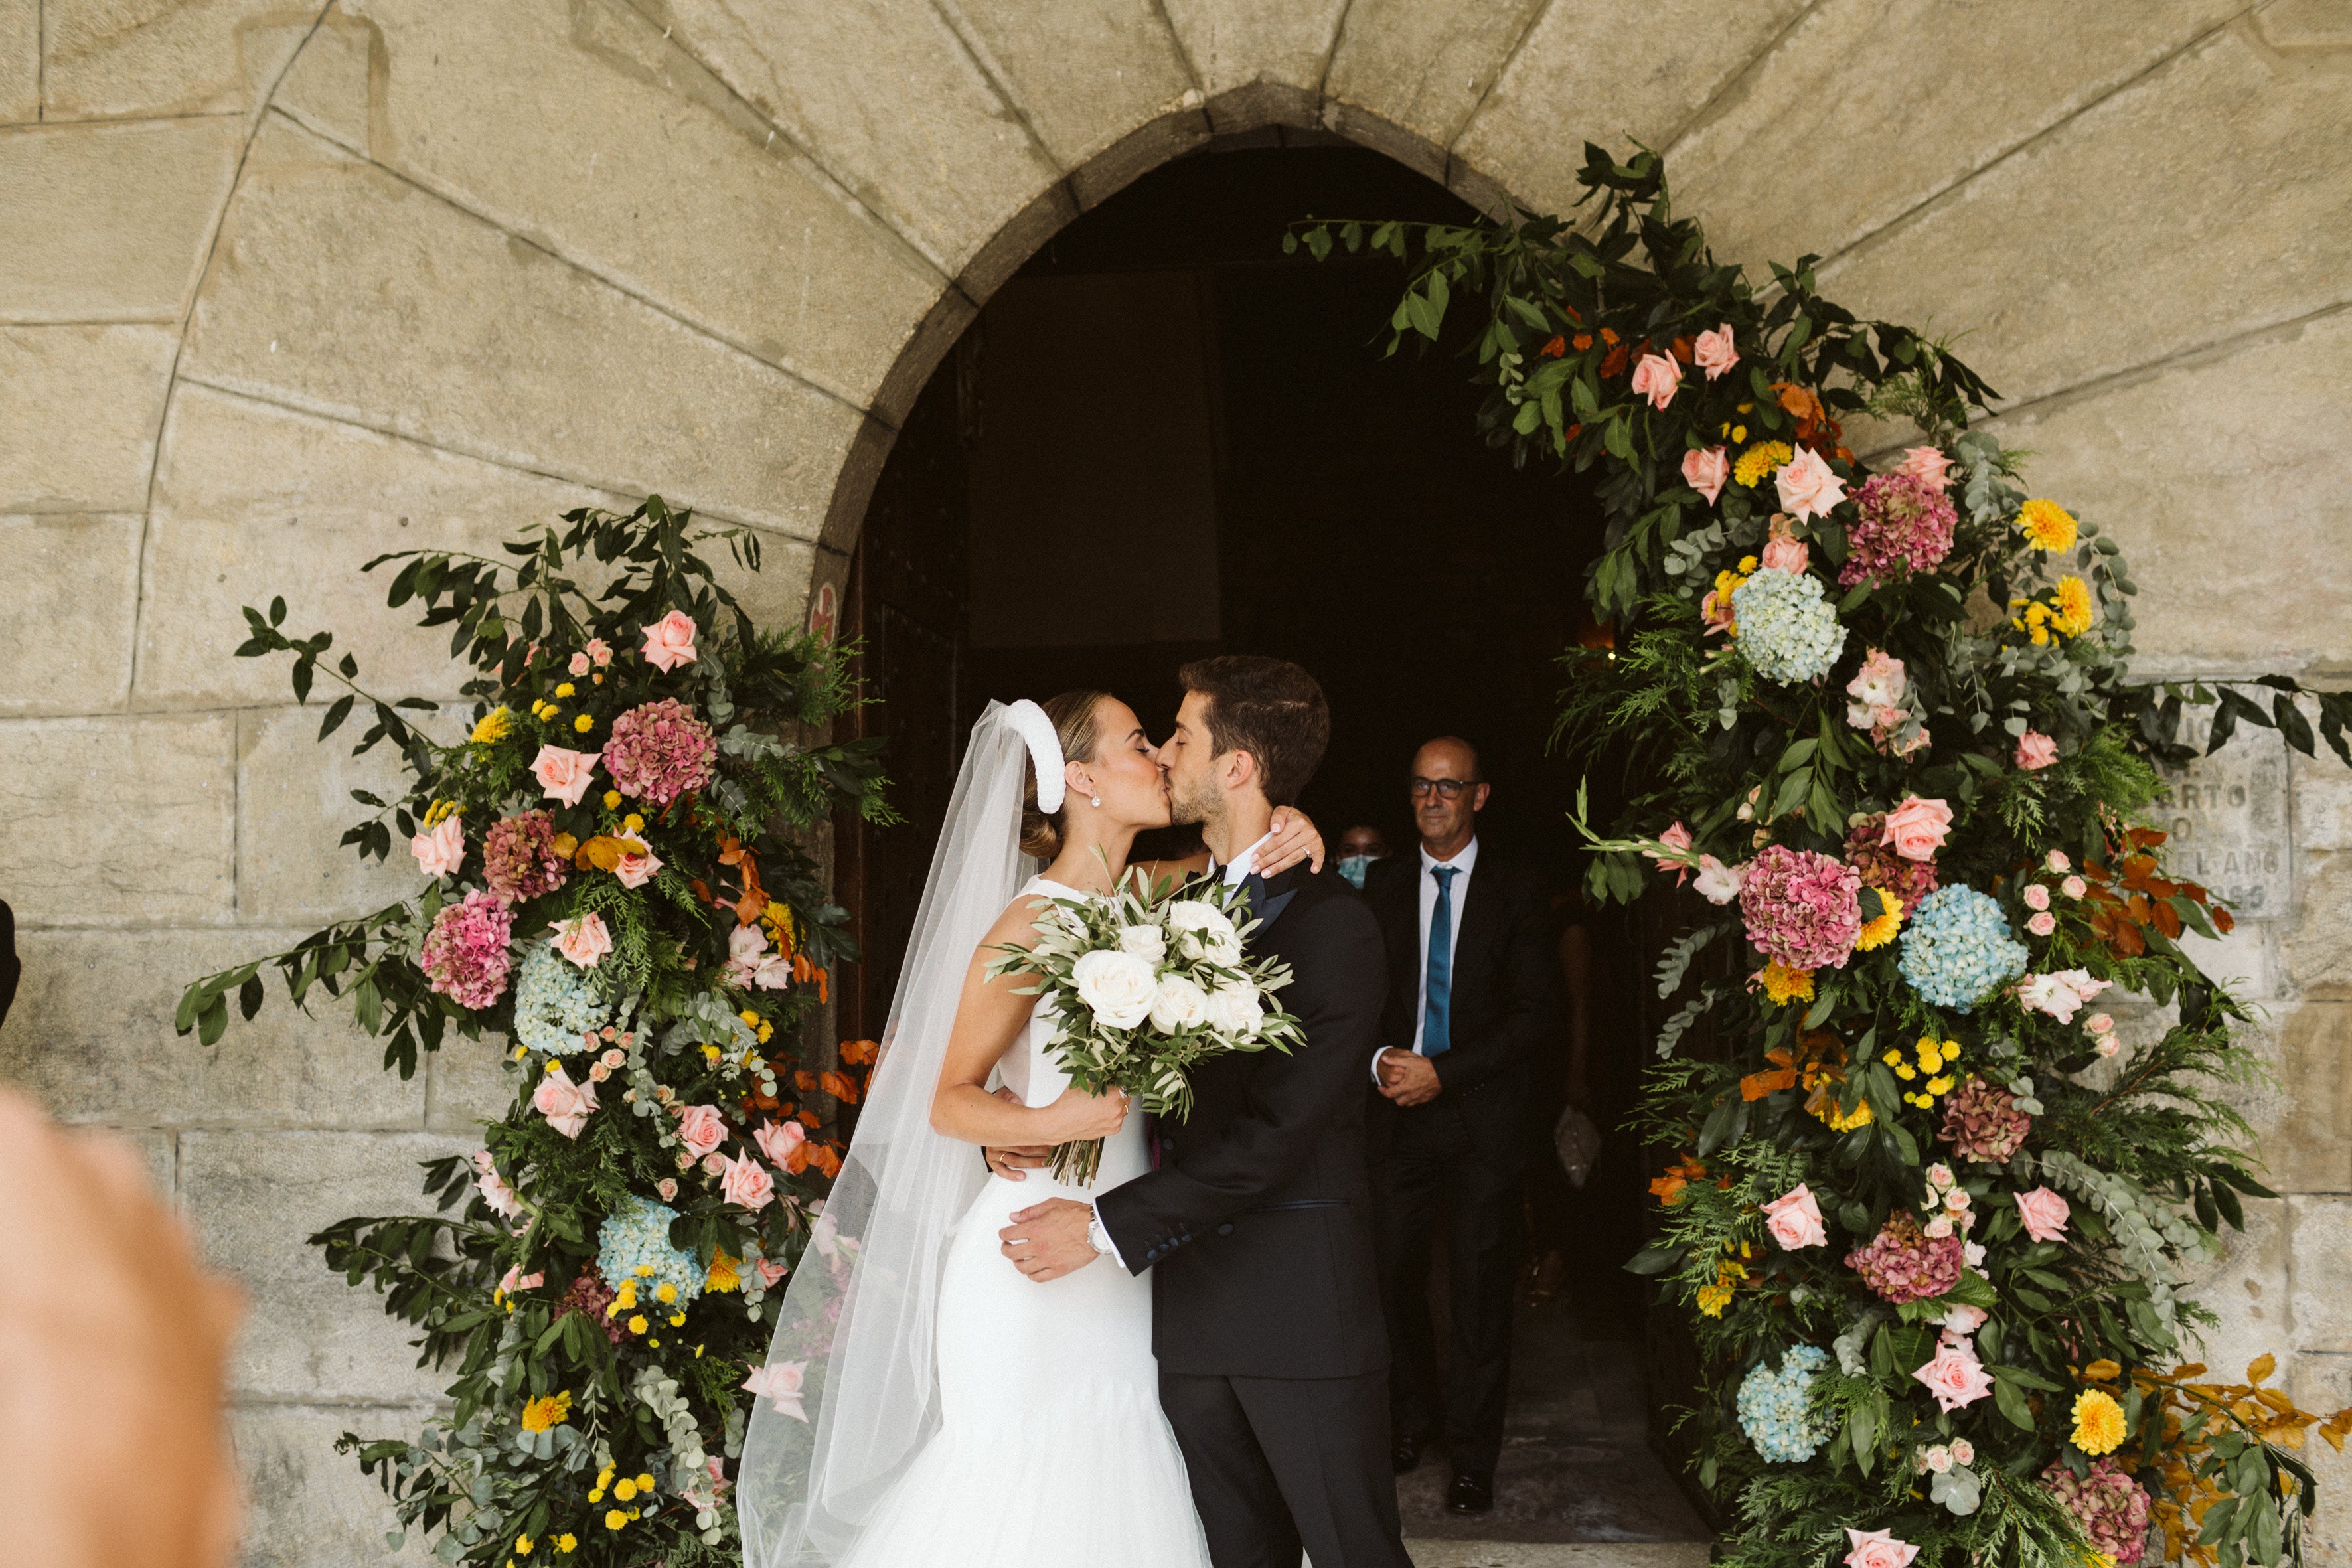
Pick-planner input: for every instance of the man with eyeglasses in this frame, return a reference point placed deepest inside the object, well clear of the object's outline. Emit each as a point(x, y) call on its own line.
point(1471, 993)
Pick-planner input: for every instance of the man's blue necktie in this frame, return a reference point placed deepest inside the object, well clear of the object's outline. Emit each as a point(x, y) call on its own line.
point(1436, 1035)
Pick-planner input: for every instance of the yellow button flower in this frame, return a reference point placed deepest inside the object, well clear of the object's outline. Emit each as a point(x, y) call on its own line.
point(567, 1542)
point(624, 1488)
point(522, 1546)
point(632, 822)
point(638, 1324)
point(676, 1319)
point(665, 1292)
point(566, 689)
point(645, 1483)
point(491, 726)
point(612, 799)
point(583, 723)
point(614, 1519)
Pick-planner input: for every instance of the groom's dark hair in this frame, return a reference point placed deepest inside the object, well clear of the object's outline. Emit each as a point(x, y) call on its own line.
point(1269, 708)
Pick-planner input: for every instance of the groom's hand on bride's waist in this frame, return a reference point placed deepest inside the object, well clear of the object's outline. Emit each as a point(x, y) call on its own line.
point(1048, 1240)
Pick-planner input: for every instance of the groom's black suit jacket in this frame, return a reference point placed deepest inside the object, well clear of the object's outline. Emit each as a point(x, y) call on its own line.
point(1257, 1223)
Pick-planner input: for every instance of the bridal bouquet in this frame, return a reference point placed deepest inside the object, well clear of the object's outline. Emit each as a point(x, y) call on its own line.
point(1143, 985)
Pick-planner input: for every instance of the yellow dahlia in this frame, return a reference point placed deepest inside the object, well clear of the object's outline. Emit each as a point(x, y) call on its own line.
point(2073, 606)
point(2098, 1423)
point(724, 1275)
point(1761, 461)
point(491, 726)
point(2046, 526)
point(548, 1410)
point(1878, 932)
point(1714, 1298)
point(1823, 1102)
point(1784, 985)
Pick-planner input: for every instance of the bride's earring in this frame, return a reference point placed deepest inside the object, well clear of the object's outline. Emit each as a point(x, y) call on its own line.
point(1098, 800)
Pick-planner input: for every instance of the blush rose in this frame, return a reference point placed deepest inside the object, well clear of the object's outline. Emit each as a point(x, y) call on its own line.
point(2044, 1213)
point(564, 774)
point(669, 642)
point(1917, 829)
point(1794, 1219)
point(1705, 470)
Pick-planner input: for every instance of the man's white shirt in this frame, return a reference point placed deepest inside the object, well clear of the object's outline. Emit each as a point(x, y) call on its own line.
point(1464, 862)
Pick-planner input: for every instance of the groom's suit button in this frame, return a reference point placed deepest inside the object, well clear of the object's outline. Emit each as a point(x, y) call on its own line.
point(1225, 1230)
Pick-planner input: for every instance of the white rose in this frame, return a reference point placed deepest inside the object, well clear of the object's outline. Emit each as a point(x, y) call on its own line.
point(1116, 987)
point(1178, 1005)
point(1148, 942)
point(1213, 937)
point(1235, 1010)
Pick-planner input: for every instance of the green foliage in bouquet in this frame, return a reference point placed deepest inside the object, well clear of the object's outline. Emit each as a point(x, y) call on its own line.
point(1930, 1209)
point(615, 884)
point(1143, 986)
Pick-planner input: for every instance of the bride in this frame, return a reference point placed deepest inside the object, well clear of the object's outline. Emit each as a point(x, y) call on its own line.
point(923, 1402)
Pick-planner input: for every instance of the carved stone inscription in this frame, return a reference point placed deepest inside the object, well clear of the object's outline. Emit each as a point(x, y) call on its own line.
point(2228, 818)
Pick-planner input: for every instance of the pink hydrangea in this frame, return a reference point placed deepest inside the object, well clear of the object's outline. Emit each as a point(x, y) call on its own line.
point(589, 1296)
point(1880, 867)
point(518, 858)
point(1802, 909)
point(1904, 522)
point(466, 952)
point(1982, 1123)
point(659, 751)
point(1902, 1263)
point(2110, 1506)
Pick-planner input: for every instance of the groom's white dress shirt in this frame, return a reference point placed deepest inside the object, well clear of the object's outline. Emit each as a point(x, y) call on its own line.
point(1464, 862)
point(1234, 875)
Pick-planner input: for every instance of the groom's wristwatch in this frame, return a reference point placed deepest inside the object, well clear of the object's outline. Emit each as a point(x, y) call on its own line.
point(1097, 1237)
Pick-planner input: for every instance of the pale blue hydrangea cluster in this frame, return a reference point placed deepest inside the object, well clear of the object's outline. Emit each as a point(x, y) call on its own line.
point(634, 1244)
point(1772, 1408)
point(1788, 631)
point(1957, 947)
point(554, 1004)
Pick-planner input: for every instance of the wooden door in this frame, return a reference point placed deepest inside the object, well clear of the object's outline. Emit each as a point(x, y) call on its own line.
point(909, 605)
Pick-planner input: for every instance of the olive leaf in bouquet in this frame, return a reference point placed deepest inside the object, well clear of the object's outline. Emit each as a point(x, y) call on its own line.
point(1143, 986)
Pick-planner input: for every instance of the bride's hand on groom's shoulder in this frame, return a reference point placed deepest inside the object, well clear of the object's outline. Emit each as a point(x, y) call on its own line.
point(1295, 838)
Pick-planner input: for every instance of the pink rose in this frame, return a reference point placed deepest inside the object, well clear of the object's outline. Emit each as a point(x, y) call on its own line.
point(440, 852)
point(600, 651)
point(779, 1382)
point(2059, 993)
point(2035, 749)
point(579, 665)
point(667, 1187)
point(2108, 1045)
point(1963, 1451)
point(1713, 352)
point(777, 1140)
point(517, 1280)
point(2044, 1213)
point(1658, 378)
point(1878, 1549)
point(2056, 860)
point(566, 1105)
point(493, 1186)
point(598, 1072)
point(2099, 1024)
point(770, 1272)
point(1808, 489)
point(1794, 1219)
point(1705, 469)
point(1927, 463)
point(2043, 924)
point(637, 863)
point(701, 1129)
point(1938, 1228)
point(1937, 1459)
point(2073, 887)
point(669, 642)
point(564, 774)
point(1964, 1320)
point(2036, 896)
point(614, 1057)
point(713, 1163)
point(1917, 829)
point(1783, 552)
point(747, 1182)
point(585, 940)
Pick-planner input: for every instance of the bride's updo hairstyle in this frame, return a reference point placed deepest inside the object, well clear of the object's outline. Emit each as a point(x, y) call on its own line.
point(1073, 714)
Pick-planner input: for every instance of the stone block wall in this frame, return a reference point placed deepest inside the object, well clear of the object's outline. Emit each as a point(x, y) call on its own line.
point(285, 286)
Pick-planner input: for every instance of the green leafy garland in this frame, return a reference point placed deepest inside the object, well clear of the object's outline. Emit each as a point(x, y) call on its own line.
point(616, 884)
point(1927, 1222)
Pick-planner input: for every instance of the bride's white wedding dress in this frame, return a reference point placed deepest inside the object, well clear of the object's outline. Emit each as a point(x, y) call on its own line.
point(1052, 1450)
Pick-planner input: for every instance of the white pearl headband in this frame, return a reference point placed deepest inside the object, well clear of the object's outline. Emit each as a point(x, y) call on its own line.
point(1029, 722)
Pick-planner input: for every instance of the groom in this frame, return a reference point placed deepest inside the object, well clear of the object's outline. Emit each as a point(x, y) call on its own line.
point(1256, 1221)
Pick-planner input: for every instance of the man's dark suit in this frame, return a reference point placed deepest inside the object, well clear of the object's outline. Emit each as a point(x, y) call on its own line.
point(1463, 1152)
point(1258, 1228)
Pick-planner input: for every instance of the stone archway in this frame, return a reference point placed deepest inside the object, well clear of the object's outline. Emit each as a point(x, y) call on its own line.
point(293, 280)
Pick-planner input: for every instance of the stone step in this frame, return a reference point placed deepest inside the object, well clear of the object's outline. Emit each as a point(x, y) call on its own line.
point(1557, 1555)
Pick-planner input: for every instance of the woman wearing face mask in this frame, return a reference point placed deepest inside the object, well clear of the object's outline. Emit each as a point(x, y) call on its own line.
point(1358, 848)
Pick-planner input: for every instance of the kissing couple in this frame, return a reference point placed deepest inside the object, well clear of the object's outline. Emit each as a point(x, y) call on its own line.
point(1182, 1365)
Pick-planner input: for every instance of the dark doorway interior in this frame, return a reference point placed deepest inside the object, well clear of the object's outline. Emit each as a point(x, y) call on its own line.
point(1163, 439)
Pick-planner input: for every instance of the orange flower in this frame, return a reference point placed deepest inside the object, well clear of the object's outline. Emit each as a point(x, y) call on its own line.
point(1583, 342)
point(1615, 364)
point(858, 1053)
point(1668, 1188)
point(1682, 350)
point(826, 1157)
point(1608, 335)
point(839, 1085)
point(1556, 347)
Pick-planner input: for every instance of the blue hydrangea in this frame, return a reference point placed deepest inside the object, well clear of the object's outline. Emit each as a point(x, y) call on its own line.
point(1957, 947)
point(554, 1003)
point(634, 1244)
point(1773, 1407)
point(1788, 631)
